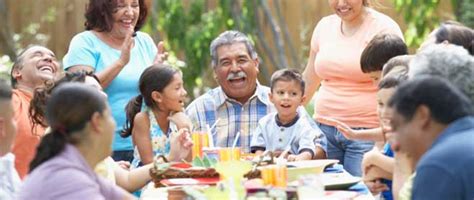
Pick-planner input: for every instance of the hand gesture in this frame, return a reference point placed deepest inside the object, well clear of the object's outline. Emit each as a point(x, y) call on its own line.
point(126, 48)
point(347, 131)
point(376, 186)
point(370, 158)
point(180, 144)
point(161, 55)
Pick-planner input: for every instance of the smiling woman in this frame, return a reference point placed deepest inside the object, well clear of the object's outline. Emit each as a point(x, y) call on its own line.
point(108, 49)
point(346, 93)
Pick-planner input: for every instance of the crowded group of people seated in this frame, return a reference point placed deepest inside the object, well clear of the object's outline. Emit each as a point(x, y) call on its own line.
point(90, 127)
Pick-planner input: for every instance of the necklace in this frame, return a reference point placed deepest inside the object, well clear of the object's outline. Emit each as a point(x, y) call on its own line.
point(353, 31)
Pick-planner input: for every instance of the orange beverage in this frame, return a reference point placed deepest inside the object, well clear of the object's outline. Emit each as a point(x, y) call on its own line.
point(200, 140)
point(281, 176)
point(267, 175)
point(228, 154)
point(274, 175)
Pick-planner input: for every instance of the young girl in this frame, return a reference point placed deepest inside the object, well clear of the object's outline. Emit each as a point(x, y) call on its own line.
point(149, 114)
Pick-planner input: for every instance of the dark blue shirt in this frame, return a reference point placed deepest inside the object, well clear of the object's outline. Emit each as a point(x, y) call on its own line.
point(446, 171)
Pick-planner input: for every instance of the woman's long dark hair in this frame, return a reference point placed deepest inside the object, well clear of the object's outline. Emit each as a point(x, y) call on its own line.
point(68, 110)
point(42, 94)
point(154, 78)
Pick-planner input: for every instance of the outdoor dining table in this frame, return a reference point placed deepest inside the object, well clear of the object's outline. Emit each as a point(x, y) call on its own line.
point(151, 193)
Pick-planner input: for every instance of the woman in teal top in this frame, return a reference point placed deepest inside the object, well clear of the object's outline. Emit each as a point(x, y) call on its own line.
point(112, 48)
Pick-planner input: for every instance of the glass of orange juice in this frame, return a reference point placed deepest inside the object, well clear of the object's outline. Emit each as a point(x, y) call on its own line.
point(229, 153)
point(280, 176)
point(274, 175)
point(267, 175)
point(200, 140)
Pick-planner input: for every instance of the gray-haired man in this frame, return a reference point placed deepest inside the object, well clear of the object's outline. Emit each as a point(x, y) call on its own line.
point(240, 101)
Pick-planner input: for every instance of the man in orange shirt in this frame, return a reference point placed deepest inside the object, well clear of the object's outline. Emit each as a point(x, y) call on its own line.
point(33, 67)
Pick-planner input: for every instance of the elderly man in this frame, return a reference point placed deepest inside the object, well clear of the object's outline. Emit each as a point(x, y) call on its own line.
point(433, 124)
point(34, 66)
point(448, 61)
point(451, 62)
point(240, 101)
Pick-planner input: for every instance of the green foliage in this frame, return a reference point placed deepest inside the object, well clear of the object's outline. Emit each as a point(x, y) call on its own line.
point(466, 13)
point(420, 18)
point(5, 67)
point(188, 30)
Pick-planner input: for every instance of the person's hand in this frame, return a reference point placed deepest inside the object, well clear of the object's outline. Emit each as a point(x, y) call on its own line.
point(374, 172)
point(161, 55)
point(292, 158)
point(180, 144)
point(370, 158)
point(181, 120)
point(376, 186)
point(300, 157)
point(126, 48)
point(347, 131)
point(124, 164)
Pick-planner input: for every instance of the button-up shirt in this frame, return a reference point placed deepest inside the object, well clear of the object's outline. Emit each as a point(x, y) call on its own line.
point(233, 117)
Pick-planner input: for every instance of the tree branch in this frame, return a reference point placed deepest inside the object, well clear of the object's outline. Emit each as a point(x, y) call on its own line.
point(276, 32)
point(286, 34)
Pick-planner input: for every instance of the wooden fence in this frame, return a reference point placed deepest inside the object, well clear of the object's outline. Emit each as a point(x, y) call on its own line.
point(68, 18)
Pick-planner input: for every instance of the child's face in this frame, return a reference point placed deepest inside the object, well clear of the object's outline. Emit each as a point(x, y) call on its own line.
point(384, 111)
point(174, 95)
point(7, 125)
point(375, 76)
point(287, 96)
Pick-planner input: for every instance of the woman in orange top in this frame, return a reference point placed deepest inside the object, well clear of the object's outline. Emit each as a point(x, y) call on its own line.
point(346, 93)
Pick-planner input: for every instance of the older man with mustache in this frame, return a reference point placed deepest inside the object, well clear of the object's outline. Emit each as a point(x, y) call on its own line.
point(240, 101)
point(33, 67)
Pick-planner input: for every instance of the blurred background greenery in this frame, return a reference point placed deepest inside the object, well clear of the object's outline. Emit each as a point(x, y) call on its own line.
point(280, 29)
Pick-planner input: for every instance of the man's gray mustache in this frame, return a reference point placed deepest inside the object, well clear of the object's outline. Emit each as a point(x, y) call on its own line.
point(236, 75)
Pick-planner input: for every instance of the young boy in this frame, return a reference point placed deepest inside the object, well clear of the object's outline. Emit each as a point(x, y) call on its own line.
point(380, 49)
point(283, 130)
point(9, 179)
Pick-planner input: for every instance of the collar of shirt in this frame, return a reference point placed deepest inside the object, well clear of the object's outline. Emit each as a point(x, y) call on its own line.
point(460, 125)
point(293, 122)
point(260, 93)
